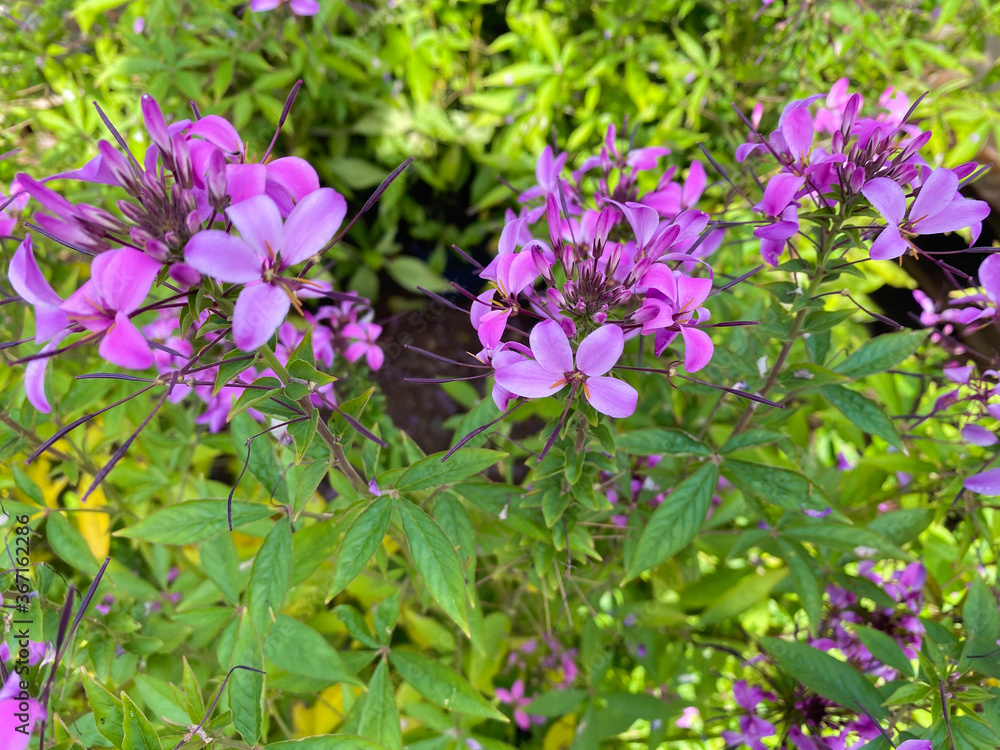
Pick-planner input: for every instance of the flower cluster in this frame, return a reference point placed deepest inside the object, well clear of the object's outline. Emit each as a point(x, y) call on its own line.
point(812, 721)
point(831, 158)
point(591, 262)
point(215, 245)
point(543, 663)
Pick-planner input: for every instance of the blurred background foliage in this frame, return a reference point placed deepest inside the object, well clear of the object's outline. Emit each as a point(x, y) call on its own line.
point(475, 90)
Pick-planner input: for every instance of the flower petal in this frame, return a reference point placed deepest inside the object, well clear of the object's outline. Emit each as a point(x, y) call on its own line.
point(223, 257)
point(259, 223)
point(935, 194)
point(600, 351)
point(27, 278)
point(958, 214)
point(259, 310)
point(311, 224)
point(889, 244)
point(611, 396)
point(289, 180)
point(985, 483)
point(979, 435)
point(124, 346)
point(887, 197)
point(989, 277)
point(529, 379)
point(551, 348)
point(698, 348)
point(218, 131)
point(123, 277)
point(244, 181)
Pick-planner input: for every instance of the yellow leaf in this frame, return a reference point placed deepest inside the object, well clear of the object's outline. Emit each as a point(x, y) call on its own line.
point(325, 715)
point(39, 472)
point(560, 734)
point(94, 526)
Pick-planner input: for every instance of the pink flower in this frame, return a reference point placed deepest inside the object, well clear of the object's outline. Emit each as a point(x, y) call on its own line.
point(119, 282)
point(299, 7)
point(515, 697)
point(553, 367)
point(16, 725)
point(264, 249)
point(778, 203)
point(364, 336)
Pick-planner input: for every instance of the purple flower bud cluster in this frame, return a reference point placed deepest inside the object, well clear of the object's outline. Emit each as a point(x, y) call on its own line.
point(831, 158)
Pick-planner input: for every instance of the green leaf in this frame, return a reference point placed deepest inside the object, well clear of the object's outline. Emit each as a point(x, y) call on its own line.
point(807, 586)
point(138, 733)
point(751, 439)
point(311, 546)
point(68, 543)
point(902, 526)
point(981, 616)
point(194, 521)
point(436, 559)
point(556, 703)
point(863, 413)
point(822, 673)
point(443, 686)
point(253, 396)
point(884, 648)
point(246, 689)
point(908, 695)
point(749, 591)
point(328, 742)
point(411, 273)
point(431, 473)
point(654, 441)
point(881, 353)
point(379, 715)
point(674, 524)
point(222, 565)
point(772, 484)
point(232, 365)
point(272, 569)
point(844, 537)
point(297, 648)
point(360, 542)
point(109, 714)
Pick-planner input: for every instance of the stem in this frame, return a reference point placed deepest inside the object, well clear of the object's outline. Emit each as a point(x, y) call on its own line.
point(336, 449)
point(823, 251)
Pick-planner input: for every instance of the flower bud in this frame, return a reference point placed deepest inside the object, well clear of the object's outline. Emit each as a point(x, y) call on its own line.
point(183, 274)
point(156, 249)
point(183, 169)
point(193, 223)
point(215, 180)
point(157, 128)
point(119, 166)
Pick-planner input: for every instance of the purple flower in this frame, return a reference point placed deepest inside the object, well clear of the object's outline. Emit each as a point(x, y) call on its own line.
point(263, 251)
point(119, 282)
point(937, 208)
point(985, 483)
point(778, 204)
point(553, 368)
point(299, 7)
point(11, 712)
point(916, 745)
point(688, 717)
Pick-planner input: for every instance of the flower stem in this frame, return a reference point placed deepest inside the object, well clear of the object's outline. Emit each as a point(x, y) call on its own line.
point(339, 458)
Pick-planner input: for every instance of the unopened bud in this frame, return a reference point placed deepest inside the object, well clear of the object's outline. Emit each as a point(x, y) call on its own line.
point(157, 128)
point(193, 223)
point(183, 274)
point(156, 249)
point(183, 169)
point(120, 167)
point(215, 180)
